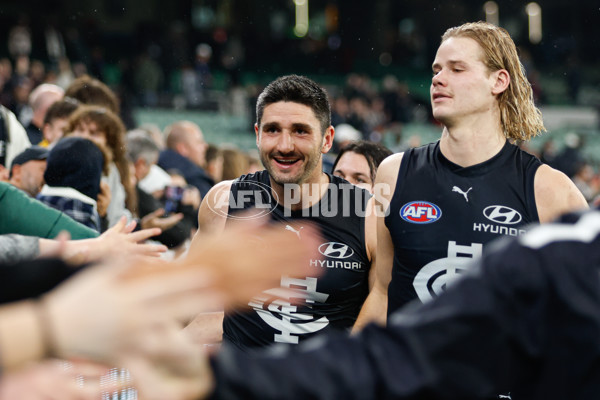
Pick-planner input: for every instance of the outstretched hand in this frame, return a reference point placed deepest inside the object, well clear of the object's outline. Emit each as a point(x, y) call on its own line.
point(119, 239)
point(156, 220)
point(124, 311)
point(251, 256)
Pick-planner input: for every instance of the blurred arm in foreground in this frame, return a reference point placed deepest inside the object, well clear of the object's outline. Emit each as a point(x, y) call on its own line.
point(125, 311)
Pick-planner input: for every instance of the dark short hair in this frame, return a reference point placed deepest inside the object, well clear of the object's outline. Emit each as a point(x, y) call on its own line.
point(375, 153)
point(88, 90)
point(61, 109)
point(297, 89)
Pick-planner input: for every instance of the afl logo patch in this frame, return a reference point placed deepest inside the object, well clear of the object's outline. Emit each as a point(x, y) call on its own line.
point(420, 212)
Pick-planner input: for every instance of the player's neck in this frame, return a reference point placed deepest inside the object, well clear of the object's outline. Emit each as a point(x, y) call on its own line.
point(466, 146)
point(302, 195)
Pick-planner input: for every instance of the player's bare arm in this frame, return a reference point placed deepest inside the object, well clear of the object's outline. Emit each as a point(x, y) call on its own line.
point(207, 328)
point(555, 194)
point(371, 240)
point(375, 307)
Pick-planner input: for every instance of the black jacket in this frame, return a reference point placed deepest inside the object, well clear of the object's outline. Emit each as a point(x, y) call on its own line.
point(524, 320)
point(193, 174)
point(176, 235)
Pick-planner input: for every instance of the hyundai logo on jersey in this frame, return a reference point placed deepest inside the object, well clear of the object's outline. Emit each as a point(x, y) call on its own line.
point(420, 212)
point(502, 215)
point(336, 250)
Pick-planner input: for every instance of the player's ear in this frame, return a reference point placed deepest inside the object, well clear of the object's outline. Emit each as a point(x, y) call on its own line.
point(501, 81)
point(328, 139)
point(257, 133)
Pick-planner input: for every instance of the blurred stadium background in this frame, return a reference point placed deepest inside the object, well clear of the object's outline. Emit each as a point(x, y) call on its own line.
point(205, 60)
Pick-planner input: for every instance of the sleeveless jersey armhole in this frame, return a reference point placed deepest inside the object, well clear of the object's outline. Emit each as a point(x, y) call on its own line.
point(399, 182)
point(530, 188)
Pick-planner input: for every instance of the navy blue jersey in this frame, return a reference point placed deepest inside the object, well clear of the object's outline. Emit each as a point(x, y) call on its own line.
point(332, 297)
point(524, 320)
point(441, 215)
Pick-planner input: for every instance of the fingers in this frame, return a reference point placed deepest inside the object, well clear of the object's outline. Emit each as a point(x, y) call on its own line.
point(85, 368)
point(172, 219)
point(130, 226)
point(257, 257)
point(185, 305)
point(119, 226)
point(144, 234)
point(56, 247)
point(156, 213)
point(149, 249)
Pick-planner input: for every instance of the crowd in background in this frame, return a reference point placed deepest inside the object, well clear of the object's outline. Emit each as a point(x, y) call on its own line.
point(50, 105)
point(362, 109)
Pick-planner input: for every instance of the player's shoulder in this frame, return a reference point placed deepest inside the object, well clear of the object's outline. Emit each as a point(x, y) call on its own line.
point(217, 189)
point(388, 169)
point(555, 194)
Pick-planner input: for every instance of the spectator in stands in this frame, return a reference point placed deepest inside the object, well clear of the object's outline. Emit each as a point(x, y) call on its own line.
point(143, 153)
point(235, 163)
point(40, 99)
point(358, 162)
point(20, 87)
point(587, 181)
point(56, 120)
point(13, 140)
point(27, 170)
point(340, 111)
point(214, 162)
point(88, 90)
point(155, 133)
point(548, 153)
point(37, 73)
point(19, 38)
point(21, 214)
point(5, 75)
point(65, 75)
point(203, 72)
point(147, 79)
point(73, 174)
point(186, 152)
point(254, 163)
point(105, 128)
point(569, 160)
point(344, 135)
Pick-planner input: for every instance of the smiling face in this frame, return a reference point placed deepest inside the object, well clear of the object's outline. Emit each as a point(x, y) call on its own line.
point(290, 142)
point(462, 86)
point(354, 168)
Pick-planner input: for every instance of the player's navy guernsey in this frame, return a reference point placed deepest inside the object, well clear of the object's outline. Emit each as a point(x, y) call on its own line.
point(334, 295)
point(442, 214)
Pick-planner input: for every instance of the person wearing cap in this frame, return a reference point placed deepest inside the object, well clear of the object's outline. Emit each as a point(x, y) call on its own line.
point(73, 174)
point(27, 170)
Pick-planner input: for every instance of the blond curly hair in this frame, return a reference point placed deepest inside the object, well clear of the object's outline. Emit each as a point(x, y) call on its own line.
point(520, 118)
